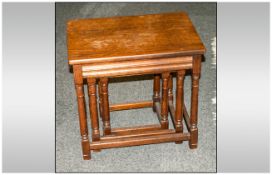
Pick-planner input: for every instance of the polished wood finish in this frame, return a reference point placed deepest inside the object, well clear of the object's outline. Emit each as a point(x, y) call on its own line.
point(132, 37)
point(135, 105)
point(93, 108)
point(139, 140)
point(139, 134)
point(82, 112)
point(105, 106)
point(121, 72)
point(179, 101)
point(100, 100)
point(164, 102)
point(170, 88)
point(137, 63)
point(136, 129)
point(194, 100)
point(163, 45)
point(156, 91)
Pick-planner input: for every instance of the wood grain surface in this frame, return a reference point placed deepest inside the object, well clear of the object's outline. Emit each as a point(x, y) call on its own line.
point(158, 44)
point(131, 37)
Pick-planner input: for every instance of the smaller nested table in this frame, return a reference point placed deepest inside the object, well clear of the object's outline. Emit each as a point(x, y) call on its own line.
point(159, 44)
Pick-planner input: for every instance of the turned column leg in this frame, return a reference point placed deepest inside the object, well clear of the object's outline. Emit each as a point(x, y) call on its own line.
point(164, 102)
point(179, 102)
point(100, 100)
point(156, 91)
point(170, 88)
point(194, 101)
point(93, 108)
point(82, 112)
point(105, 106)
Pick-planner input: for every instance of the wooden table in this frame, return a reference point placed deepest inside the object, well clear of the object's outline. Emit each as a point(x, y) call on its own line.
point(159, 44)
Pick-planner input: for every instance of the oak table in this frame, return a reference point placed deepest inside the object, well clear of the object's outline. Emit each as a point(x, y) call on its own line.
point(158, 44)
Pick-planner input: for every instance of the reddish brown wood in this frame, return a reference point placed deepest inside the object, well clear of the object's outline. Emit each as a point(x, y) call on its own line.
point(100, 100)
point(136, 129)
point(93, 108)
point(170, 88)
point(164, 102)
point(136, 70)
point(141, 140)
point(194, 101)
point(158, 44)
point(82, 112)
point(134, 105)
point(132, 37)
point(179, 102)
point(138, 134)
point(156, 91)
point(106, 112)
point(137, 63)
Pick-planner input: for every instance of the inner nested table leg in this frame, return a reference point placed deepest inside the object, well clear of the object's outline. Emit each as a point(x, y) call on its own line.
point(170, 88)
point(93, 108)
point(179, 102)
point(105, 106)
point(164, 102)
point(100, 100)
point(156, 91)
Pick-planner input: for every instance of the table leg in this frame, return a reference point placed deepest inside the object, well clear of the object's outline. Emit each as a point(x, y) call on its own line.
point(93, 108)
point(100, 100)
point(170, 88)
point(194, 101)
point(156, 91)
point(164, 103)
point(82, 112)
point(179, 102)
point(105, 106)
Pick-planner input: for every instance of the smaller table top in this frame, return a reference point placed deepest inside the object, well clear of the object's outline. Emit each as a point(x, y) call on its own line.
point(131, 37)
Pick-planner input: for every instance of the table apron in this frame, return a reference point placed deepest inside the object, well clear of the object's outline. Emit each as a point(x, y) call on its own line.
point(142, 70)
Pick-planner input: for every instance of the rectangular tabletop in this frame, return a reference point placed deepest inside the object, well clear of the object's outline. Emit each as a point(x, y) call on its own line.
point(131, 37)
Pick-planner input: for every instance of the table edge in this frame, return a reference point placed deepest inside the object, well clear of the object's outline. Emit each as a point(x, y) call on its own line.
point(134, 57)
